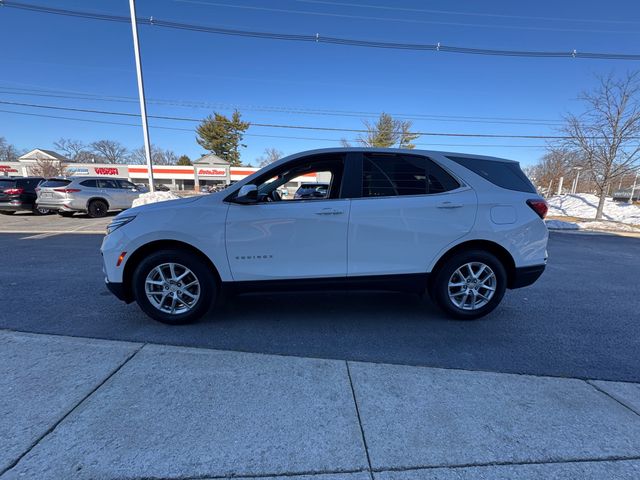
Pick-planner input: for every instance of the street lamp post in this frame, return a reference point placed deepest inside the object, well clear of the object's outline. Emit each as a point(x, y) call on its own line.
point(574, 189)
point(143, 104)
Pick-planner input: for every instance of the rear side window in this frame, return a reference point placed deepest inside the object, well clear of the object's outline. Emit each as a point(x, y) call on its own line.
point(395, 175)
point(107, 183)
point(55, 182)
point(126, 184)
point(503, 174)
point(89, 183)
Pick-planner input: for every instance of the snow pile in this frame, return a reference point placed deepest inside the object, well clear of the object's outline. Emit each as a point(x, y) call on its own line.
point(153, 197)
point(560, 225)
point(591, 225)
point(584, 205)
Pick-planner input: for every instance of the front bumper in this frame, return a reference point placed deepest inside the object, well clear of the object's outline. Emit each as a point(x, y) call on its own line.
point(525, 276)
point(118, 290)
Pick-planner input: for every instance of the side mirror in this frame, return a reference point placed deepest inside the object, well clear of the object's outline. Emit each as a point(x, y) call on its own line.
point(247, 194)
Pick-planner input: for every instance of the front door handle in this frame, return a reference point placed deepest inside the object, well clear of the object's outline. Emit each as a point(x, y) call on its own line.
point(329, 211)
point(449, 205)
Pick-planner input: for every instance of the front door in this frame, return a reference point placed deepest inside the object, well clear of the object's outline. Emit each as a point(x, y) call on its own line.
point(284, 237)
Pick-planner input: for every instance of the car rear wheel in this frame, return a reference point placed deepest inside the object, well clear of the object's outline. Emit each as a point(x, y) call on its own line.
point(41, 211)
point(97, 208)
point(174, 287)
point(469, 285)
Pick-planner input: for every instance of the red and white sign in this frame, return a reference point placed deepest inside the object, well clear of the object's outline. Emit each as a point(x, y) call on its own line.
point(212, 172)
point(8, 168)
point(106, 171)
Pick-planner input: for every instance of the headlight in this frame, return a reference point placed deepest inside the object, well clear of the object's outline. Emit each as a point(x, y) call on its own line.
point(117, 223)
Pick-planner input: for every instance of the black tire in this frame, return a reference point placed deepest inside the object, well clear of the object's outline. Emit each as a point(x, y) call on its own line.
point(6, 212)
point(440, 285)
point(62, 213)
point(97, 208)
point(40, 211)
point(200, 270)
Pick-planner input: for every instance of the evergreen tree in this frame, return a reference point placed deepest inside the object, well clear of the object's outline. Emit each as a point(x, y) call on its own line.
point(184, 160)
point(223, 136)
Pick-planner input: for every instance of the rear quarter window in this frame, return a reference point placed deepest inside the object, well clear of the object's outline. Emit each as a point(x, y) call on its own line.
point(503, 174)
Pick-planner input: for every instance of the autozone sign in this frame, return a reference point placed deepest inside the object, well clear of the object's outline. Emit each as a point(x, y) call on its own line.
point(212, 172)
point(106, 171)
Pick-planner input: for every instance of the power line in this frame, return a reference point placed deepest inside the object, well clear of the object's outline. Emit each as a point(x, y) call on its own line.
point(275, 125)
point(466, 14)
point(337, 140)
point(392, 19)
point(317, 38)
point(285, 110)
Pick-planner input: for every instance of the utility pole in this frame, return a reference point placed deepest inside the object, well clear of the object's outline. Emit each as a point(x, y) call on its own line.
point(143, 103)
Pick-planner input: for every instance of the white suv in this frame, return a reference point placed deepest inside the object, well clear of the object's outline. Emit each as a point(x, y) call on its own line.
point(463, 228)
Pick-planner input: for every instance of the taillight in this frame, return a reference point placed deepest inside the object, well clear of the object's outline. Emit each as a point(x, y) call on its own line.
point(539, 206)
point(14, 191)
point(37, 189)
point(66, 190)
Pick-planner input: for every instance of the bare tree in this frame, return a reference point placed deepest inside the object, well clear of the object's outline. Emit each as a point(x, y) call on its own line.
point(8, 153)
point(556, 163)
point(72, 149)
point(606, 135)
point(159, 156)
point(45, 167)
point(110, 151)
point(270, 155)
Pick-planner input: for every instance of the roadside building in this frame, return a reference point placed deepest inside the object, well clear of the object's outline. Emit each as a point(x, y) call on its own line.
point(208, 171)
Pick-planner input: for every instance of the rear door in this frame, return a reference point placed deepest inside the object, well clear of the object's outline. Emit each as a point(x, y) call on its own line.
point(409, 209)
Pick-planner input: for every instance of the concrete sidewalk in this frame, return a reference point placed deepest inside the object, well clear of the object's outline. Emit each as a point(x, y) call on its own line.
point(75, 408)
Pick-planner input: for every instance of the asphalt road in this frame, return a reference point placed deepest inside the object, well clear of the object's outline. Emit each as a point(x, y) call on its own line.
point(581, 319)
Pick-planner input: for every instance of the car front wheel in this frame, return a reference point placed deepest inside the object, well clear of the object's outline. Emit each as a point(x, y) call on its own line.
point(469, 285)
point(174, 287)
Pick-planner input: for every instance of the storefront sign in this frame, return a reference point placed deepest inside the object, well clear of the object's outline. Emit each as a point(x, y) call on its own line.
point(106, 171)
point(78, 171)
point(212, 172)
point(7, 169)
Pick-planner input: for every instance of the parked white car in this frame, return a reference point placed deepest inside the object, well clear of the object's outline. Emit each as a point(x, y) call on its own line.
point(462, 227)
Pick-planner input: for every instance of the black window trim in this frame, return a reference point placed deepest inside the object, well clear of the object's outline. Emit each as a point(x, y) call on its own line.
point(348, 159)
point(461, 183)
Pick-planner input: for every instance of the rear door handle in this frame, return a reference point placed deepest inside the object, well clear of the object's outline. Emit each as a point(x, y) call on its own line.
point(329, 211)
point(449, 205)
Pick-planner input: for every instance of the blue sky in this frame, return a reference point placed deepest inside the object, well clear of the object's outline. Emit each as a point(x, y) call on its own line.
point(62, 54)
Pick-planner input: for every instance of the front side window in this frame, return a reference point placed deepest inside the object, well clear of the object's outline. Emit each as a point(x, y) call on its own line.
point(126, 184)
point(396, 175)
point(318, 177)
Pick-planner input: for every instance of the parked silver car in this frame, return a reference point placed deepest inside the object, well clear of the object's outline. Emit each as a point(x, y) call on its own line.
point(94, 195)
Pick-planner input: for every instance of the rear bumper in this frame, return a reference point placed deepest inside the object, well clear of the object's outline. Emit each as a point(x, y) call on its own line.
point(525, 276)
point(118, 290)
point(15, 206)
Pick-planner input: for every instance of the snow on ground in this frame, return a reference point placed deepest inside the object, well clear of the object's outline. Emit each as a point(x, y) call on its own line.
point(584, 205)
point(591, 225)
point(153, 197)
